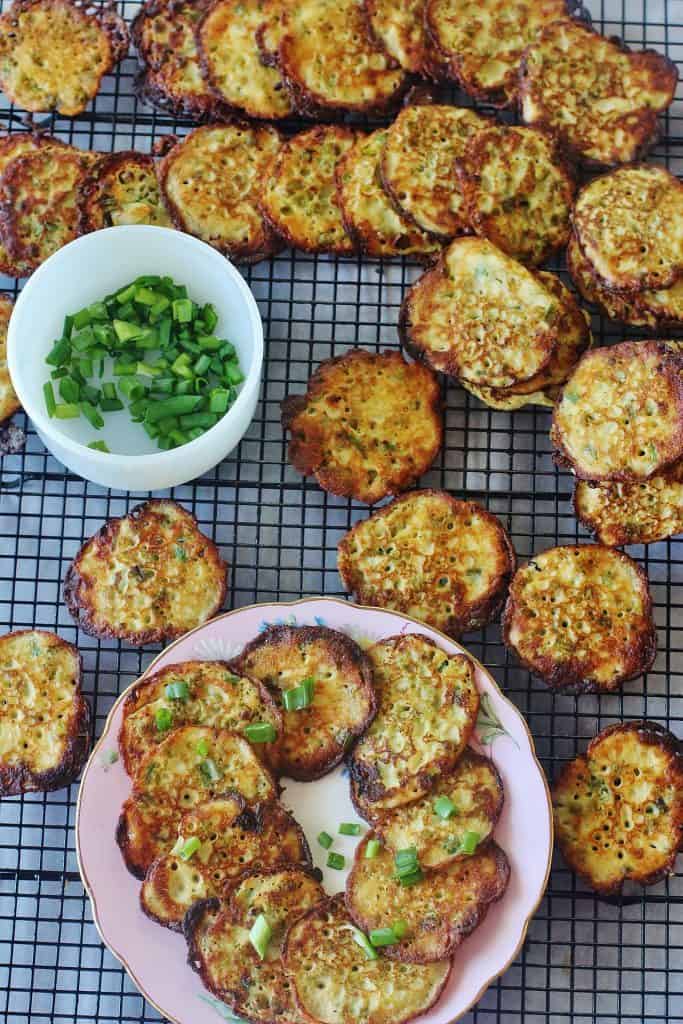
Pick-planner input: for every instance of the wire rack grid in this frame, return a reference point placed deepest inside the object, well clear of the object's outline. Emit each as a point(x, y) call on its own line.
point(584, 960)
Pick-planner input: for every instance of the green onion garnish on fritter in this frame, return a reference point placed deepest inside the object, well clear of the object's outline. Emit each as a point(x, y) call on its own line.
point(299, 697)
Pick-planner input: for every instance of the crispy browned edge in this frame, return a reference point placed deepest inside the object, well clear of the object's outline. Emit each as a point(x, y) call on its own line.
point(281, 230)
point(635, 286)
point(664, 70)
point(109, 21)
point(347, 652)
point(433, 68)
point(477, 614)
point(333, 902)
point(4, 297)
point(146, 84)
point(246, 253)
point(108, 164)
point(251, 820)
point(653, 734)
point(193, 919)
point(565, 677)
point(674, 369)
point(467, 166)
point(74, 582)
point(456, 934)
point(18, 778)
point(364, 779)
point(497, 98)
point(134, 702)
point(298, 454)
point(620, 531)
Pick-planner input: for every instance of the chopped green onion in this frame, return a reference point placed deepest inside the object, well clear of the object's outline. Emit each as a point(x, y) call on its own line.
point(408, 871)
point(182, 311)
point(373, 848)
point(99, 446)
point(59, 354)
point(203, 748)
point(444, 807)
point(383, 937)
point(219, 400)
point(260, 935)
point(349, 828)
point(361, 939)
point(92, 416)
point(188, 849)
point(411, 879)
point(111, 405)
point(261, 732)
point(325, 840)
point(177, 691)
point(163, 719)
point(209, 770)
point(178, 405)
point(400, 928)
point(67, 411)
point(50, 403)
point(336, 860)
point(299, 697)
point(469, 843)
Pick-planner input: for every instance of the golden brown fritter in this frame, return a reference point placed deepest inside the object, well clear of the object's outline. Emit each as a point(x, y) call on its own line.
point(635, 511)
point(122, 189)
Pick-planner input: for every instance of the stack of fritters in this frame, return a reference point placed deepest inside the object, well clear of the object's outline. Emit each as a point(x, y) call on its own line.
point(618, 425)
point(510, 335)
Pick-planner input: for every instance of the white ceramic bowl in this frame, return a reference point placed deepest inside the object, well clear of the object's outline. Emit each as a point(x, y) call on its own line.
point(83, 272)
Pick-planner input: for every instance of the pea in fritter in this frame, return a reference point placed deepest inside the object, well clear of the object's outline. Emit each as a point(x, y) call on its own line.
point(299, 197)
point(483, 41)
point(443, 561)
point(370, 217)
point(9, 403)
point(54, 53)
point(220, 950)
point(581, 618)
point(517, 190)
point(368, 426)
point(231, 61)
point(417, 165)
point(331, 65)
point(618, 808)
point(211, 181)
point(123, 189)
point(147, 577)
point(44, 717)
point(335, 982)
point(233, 839)
point(315, 736)
point(440, 910)
point(601, 99)
point(427, 704)
point(633, 512)
point(192, 765)
point(620, 414)
point(629, 225)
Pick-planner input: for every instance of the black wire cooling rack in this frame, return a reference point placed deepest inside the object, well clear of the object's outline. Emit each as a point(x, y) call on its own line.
point(584, 959)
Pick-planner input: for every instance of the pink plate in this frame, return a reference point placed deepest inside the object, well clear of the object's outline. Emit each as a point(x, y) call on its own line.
point(155, 957)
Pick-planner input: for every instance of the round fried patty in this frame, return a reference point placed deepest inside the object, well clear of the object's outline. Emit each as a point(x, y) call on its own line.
point(9, 403)
point(618, 808)
point(633, 512)
point(316, 737)
point(122, 189)
point(443, 561)
point(581, 618)
point(400, 29)
point(620, 414)
point(368, 426)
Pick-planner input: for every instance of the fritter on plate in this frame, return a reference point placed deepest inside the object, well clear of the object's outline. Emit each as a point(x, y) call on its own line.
point(122, 189)
point(601, 99)
point(618, 808)
point(211, 180)
point(9, 403)
point(620, 414)
point(483, 41)
point(466, 799)
point(440, 910)
point(633, 512)
point(368, 426)
point(233, 839)
point(147, 577)
point(44, 717)
point(231, 61)
point(427, 709)
point(581, 618)
point(369, 215)
point(518, 191)
point(192, 765)
point(629, 226)
point(335, 982)
point(54, 53)
point(299, 195)
point(316, 734)
point(220, 950)
point(417, 165)
point(426, 554)
point(330, 63)
point(195, 693)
